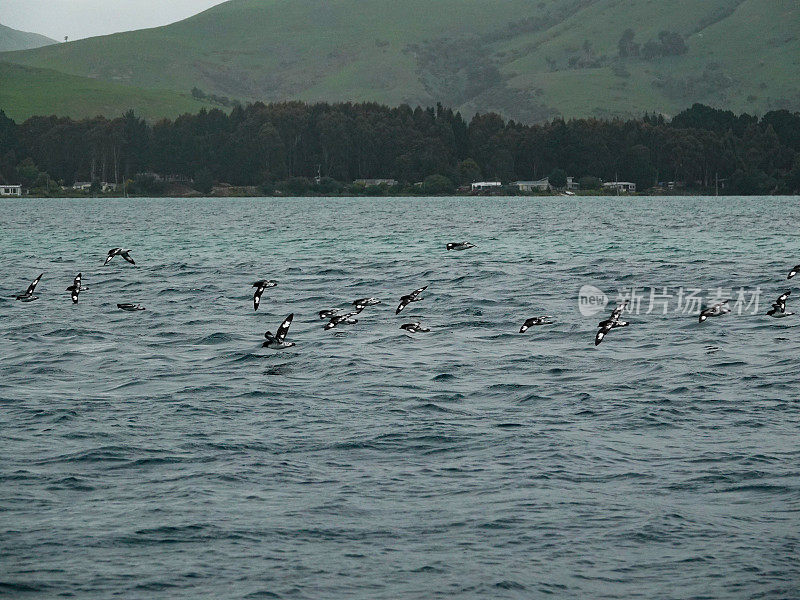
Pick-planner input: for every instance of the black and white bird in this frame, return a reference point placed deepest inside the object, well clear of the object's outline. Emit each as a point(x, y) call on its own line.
point(460, 246)
point(717, 310)
point(415, 327)
point(409, 298)
point(328, 313)
point(75, 288)
point(277, 341)
point(118, 252)
point(260, 287)
point(363, 302)
point(534, 321)
point(346, 318)
point(612, 322)
point(130, 307)
point(794, 272)
point(27, 295)
point(778, 309)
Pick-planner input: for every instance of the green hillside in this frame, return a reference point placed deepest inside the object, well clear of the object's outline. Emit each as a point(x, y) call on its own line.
point(27, 91)
point(12, 39)
point(528, 60)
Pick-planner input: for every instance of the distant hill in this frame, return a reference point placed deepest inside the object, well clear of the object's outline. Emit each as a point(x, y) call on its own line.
point(12, 39)
point(530, 60)
point(27, 91)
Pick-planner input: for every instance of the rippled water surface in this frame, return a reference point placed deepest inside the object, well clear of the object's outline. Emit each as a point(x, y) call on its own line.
point(166, 454)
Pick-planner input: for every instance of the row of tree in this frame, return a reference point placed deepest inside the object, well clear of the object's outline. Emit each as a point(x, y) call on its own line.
point(263, 144)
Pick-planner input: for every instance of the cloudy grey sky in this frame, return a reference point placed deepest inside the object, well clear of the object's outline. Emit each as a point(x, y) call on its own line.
point(85, 18)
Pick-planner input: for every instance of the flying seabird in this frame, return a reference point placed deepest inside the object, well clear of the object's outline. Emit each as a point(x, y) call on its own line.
point(415, 327)
point(459, 246)
point(612, 322)
point(130, 307)
point(408, 299)
point(778, 309)
point(717, 310)
point(794, 272)
point(75, 288)
point(345, 318)
point(118, 252)
point(533, 321)
point(260, 287)
point(277, 341)
point(361, 303)
point(27, 295)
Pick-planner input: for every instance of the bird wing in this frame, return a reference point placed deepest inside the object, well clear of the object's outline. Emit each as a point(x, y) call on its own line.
point(618, 311)
point(127, 257)
point(416, 293)
point(714, 308)
point(111, 254)
point(284, 328)
point(77, 281)
point(33, 285)
point(404, 301)
point(257, 298)
point(599, 337)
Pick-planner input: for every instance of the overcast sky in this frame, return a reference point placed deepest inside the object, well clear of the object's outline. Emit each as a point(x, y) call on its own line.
point(85, 18)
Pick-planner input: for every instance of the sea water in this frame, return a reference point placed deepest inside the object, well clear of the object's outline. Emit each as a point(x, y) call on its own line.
point(165, 453)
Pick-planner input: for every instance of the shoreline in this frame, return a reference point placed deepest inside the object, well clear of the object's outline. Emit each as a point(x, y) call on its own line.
point(687, 194)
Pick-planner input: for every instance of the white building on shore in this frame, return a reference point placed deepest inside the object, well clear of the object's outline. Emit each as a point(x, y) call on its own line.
point(541, 185)
point(482, 186)
point(371, 182)
point(10, 190)
point(623, 187)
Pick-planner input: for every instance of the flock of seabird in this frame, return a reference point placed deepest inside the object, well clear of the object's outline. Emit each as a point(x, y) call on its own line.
point(778, 311)
point(77, 287)
point(336, 316)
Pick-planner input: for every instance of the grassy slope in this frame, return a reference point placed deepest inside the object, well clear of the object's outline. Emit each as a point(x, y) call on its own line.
point(28, 91)
point(358, 50)
point(251, 48)
point(756, 46)
point(12, 39)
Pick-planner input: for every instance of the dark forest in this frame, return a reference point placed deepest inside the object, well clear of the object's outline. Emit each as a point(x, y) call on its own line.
point(288, 144)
